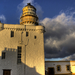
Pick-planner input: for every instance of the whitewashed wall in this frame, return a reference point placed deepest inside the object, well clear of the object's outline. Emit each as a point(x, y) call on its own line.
point(55, 63)
point(72, 64)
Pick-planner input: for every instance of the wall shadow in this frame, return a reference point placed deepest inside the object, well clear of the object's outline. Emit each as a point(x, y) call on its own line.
point(10, 62)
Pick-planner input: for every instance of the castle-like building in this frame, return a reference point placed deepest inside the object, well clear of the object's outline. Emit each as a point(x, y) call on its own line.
point(22, 48)
point(22, 45)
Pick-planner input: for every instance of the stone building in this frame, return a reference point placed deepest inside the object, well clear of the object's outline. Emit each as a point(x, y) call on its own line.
point(22, 45)
point(60, 67)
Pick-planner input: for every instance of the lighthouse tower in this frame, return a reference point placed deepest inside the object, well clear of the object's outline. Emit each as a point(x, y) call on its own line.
point(22, 45)
point(33, 41)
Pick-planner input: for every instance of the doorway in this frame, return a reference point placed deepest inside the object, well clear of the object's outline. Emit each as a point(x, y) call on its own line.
point(6, 72)
point(50, 71)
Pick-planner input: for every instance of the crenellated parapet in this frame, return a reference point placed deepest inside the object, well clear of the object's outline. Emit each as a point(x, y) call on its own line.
point(18, 27)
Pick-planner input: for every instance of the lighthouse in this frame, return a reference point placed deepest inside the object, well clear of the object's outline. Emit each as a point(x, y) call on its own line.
point(22, 45)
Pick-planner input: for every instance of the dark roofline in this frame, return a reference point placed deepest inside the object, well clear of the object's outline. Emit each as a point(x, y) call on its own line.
point(61, 61)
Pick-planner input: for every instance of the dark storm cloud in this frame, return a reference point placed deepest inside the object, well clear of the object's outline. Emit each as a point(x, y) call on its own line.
point(71, 57)
point(59, 36)
point(60, 33)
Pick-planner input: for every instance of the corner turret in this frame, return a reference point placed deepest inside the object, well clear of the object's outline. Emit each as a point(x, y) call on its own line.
point(1, 26)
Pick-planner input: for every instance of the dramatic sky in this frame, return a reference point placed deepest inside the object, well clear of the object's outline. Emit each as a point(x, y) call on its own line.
point(58, 17)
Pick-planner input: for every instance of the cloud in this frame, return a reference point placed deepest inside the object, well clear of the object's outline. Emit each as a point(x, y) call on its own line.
point(2, 18)
point(59, 36)
point(24, 3)
point(60, 32)
point(39, 11)
point(68, 58)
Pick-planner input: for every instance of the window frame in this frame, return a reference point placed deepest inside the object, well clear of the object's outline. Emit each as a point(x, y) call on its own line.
point(35, 37)
point(67, 67)
point(27, 34)
point(3, 55)
point(59, 68)
point(6, 71)
point(12, 33)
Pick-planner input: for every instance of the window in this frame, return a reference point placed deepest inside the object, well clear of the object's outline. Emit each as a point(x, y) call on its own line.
point(12, 33)
point(19, 54)
point(26, 34)
point(3, 55)
point(6, 72)
point(68, 67)
point(58, 68)
point(34, 37)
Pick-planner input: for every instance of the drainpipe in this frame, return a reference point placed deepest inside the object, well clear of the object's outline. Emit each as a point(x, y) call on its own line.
point(25, 55)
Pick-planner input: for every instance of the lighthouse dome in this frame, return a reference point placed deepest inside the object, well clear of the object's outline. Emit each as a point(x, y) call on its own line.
point(29, 16)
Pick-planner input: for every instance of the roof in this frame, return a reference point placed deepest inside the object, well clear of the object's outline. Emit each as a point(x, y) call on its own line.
point(29, 4)
point(57, 61)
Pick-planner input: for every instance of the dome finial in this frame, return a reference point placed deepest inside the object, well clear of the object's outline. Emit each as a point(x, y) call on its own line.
point(28, 3)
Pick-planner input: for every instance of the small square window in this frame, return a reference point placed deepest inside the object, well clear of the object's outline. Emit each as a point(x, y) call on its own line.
point(12, 33)
point(3, 55)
